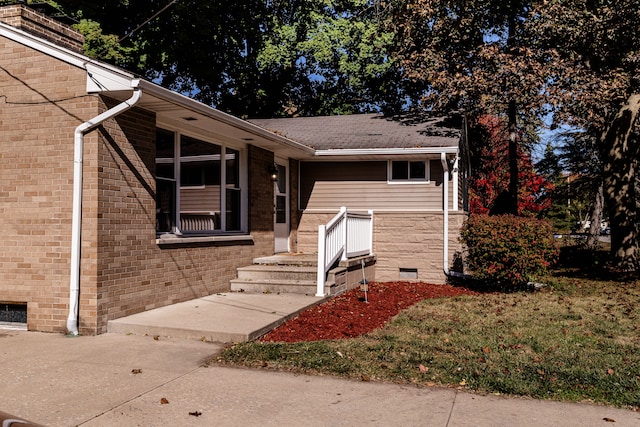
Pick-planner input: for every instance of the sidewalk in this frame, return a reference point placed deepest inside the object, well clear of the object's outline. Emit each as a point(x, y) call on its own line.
point(121, 380)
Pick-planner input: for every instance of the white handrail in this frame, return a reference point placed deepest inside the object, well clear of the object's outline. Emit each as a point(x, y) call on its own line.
point(347, 235)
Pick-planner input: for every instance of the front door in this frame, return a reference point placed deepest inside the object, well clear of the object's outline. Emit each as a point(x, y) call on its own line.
point(281, 208)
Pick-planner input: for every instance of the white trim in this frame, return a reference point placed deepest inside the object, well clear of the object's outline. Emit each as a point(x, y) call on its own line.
point(377, 210)
point(171, 239)
point(410, 181)
point(385, 151)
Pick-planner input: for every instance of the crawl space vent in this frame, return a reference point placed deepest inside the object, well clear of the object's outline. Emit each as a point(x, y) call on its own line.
point(408, 273)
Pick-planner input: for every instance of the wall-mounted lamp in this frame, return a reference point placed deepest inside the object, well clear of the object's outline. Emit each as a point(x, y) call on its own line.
point(273, 172)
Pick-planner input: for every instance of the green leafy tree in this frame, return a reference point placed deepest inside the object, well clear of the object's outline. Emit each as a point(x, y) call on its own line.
point(255, 58)
point(592, 51)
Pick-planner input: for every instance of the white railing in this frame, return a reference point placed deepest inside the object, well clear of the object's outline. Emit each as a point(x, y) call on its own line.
point(347, 235)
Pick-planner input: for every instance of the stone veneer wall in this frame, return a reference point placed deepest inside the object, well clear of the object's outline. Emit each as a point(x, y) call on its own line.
point(411, 240)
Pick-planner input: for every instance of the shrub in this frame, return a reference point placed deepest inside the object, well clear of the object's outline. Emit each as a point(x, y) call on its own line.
point(508, 250)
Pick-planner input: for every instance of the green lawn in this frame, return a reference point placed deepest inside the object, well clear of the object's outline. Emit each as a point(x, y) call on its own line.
point(578, 339)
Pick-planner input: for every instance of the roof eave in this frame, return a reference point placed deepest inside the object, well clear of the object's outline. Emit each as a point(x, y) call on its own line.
point(382, 153)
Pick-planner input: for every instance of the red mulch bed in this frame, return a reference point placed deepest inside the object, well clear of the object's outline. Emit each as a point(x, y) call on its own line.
point(348, 315)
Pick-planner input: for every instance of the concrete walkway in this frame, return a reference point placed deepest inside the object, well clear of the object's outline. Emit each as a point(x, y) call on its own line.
point(224, 317)
point(131, 380)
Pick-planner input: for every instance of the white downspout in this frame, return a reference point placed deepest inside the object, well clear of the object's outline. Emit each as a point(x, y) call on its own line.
point(445, 219)
point(76, 221)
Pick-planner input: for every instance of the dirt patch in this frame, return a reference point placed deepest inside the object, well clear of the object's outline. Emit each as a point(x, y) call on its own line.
point(349, 315)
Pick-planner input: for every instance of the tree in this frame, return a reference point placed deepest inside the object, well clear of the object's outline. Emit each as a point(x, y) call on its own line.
point(592, 51)
point(258, 58)
point(578, 58)
point(489, 186)
point(471, 55)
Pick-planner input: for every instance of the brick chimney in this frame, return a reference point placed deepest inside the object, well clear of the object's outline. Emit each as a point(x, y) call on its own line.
point(39, 24)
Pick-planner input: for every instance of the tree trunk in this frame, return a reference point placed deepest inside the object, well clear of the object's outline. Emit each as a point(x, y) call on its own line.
point(618, 156)
point(596, 219)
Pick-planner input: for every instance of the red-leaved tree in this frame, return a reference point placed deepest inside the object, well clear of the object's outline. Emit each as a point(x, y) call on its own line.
point(489, 189)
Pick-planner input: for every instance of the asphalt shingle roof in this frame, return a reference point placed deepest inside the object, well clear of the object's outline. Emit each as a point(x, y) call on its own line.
point(364, 131)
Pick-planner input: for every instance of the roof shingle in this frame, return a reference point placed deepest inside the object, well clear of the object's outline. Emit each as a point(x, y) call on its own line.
point(364, 131)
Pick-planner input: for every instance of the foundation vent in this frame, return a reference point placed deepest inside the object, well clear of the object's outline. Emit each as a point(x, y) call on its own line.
point(13, 314)
point(408, 273)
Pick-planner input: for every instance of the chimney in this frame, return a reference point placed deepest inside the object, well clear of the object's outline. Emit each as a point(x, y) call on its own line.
point(39, 19)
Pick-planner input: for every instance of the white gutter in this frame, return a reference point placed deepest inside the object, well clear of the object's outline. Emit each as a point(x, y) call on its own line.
point(385, 151)
point(76, 222)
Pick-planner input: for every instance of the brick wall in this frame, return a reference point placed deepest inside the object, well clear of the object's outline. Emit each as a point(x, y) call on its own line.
point(43, 101)
point(40, 25)
point(134, 273)
point(123, 270)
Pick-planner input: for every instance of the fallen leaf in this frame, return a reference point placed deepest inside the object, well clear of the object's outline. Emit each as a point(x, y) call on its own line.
point(423, 368)
point(164, 401)
point(486, 350)
point(195, 413)
point(610, 371)
point(136, 371)
point(609, 420)
point(364, 377)
point(463, 382)
point(156, 337)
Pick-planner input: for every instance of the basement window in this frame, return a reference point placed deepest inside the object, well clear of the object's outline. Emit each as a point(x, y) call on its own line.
point(13, 315)
point(408, 273)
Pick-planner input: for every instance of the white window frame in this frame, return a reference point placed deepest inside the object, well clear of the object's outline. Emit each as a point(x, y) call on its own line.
point(425, 180)
point(243, 184)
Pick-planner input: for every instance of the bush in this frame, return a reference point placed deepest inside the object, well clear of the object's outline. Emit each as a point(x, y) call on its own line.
point(506, 250)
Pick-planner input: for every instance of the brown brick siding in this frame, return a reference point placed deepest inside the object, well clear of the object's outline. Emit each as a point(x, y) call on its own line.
point(40, 25)
point(43, 101)
point(135, 274)
point(123, 269)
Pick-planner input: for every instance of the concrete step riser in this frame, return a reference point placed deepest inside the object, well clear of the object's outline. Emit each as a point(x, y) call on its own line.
point(261, 287)
point(276, 274)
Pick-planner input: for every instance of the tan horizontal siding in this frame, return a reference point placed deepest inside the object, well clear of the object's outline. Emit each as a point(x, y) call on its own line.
point(327, 186)
point(374, 195)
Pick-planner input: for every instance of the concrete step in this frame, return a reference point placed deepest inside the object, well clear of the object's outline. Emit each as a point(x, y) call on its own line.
point(274, 286)
point(309, 260)
point(280, 272)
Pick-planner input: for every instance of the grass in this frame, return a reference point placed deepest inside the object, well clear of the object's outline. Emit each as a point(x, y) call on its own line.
point(577, 340)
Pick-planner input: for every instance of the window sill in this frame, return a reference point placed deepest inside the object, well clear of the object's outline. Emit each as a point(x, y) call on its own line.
point(218, 240)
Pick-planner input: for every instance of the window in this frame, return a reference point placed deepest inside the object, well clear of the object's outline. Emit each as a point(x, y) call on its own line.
point(408, 170)
point(198, 185)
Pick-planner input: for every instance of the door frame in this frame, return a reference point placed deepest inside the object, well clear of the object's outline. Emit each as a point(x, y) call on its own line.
point(281, 230)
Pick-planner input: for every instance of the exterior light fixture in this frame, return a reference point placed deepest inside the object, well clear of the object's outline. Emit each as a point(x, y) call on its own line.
point(273, 172)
